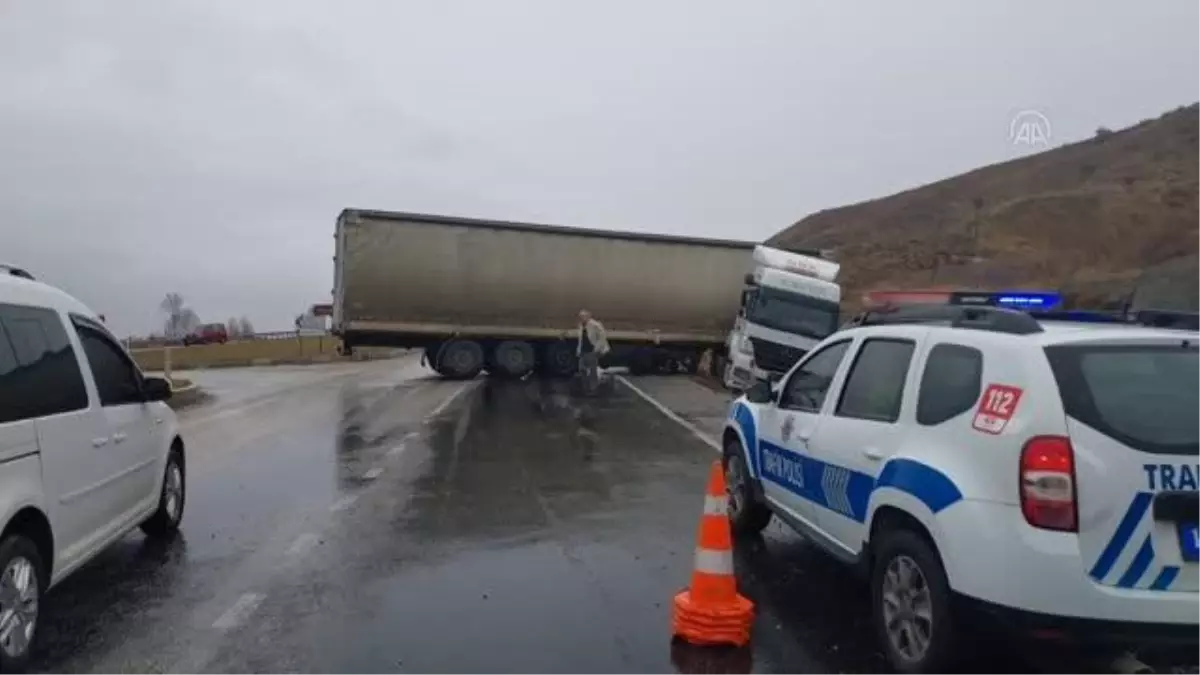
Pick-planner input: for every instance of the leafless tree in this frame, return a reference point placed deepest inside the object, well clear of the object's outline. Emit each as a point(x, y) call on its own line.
point(245, 328)
point(181, 319)
point(233, 328)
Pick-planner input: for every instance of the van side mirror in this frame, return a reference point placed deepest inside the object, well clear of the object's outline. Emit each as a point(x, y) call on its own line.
point(760, 392)
point(156, 389)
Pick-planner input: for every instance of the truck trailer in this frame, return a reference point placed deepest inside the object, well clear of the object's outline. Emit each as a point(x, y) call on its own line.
point(504, 297)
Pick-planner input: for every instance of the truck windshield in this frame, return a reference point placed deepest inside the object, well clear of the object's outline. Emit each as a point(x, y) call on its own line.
point(793, 313)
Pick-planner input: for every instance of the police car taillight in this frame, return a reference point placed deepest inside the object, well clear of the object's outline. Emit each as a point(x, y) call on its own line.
point(1048, 483)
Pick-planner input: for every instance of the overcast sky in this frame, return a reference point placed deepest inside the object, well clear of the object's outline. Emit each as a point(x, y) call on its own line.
point(207, 147)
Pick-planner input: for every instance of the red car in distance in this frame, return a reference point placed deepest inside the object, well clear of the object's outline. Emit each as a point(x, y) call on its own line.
point(207, 334)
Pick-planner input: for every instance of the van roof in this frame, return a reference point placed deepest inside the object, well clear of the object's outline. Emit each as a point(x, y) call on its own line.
point(19, 290)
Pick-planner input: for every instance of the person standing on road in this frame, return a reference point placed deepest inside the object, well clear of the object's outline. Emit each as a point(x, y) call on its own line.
point(592, 346)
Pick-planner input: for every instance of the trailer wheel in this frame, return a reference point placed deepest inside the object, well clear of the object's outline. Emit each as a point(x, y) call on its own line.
point(560, 359)
point(512, 358)
point(460, 359)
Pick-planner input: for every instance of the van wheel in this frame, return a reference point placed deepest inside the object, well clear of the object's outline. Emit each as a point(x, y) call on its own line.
point(911, 603)
point(22, 584)
point(165, 521)
point(747, 515)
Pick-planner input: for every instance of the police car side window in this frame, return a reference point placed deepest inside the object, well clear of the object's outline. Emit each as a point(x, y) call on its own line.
point(808, 385)
point(950, 384)
point(46, 379)
point(875, 386)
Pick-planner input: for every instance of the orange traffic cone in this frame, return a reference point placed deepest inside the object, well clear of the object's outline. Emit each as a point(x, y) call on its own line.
point(711, 611)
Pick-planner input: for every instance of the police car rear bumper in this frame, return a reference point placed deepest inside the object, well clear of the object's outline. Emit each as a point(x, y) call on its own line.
point(1024, 624)
point(992, 554)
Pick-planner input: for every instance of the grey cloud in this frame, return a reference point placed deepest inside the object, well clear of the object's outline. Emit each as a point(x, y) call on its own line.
point(206, 147)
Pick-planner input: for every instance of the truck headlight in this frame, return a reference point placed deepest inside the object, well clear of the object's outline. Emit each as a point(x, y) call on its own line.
point(746, 347)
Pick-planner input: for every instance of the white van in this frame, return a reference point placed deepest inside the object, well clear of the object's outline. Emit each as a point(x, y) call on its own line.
point(89, 450)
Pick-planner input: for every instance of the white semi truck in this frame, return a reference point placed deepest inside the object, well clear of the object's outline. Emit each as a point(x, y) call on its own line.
point(790, 303)
point(503, 297)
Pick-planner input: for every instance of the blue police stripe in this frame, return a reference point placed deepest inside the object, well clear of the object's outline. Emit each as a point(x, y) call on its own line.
point(848, 492)
point(921, 481)
point(745, 421)
point(1129, 522)
point(1165, 578)
point(1141, 561)
point(859, 492)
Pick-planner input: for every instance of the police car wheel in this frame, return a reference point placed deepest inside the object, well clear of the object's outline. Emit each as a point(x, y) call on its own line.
point(747, 516)
point(911, 603)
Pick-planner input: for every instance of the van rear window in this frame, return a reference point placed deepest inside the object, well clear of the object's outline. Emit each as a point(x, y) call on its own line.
point(1144, 396)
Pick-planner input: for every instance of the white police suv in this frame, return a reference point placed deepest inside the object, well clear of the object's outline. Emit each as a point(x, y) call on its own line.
point(1042, 469)
point(89, 450)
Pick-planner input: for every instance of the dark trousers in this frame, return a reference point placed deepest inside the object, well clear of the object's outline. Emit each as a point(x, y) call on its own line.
point(589, 367)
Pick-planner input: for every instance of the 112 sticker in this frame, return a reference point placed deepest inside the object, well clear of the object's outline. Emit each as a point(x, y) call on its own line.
point(996, 407)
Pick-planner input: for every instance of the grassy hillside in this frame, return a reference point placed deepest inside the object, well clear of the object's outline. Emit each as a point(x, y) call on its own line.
point(1089, 218)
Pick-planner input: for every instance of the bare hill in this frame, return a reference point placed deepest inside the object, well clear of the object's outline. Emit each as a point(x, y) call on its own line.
point(1092, 218)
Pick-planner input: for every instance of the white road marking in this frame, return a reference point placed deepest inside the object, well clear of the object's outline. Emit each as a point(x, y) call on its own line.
point(239, 611)
point(396, 450)
point(302, 545)
point(441, 408)
point(272, 396)
point(343, 503)
point(705, 438)
point(372, 474)
point(411, 435)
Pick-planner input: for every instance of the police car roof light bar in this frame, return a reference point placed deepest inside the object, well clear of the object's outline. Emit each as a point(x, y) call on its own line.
point(1040, 300)
point(978, 317)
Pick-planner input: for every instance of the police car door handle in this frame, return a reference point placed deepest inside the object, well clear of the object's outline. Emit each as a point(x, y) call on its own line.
point(872, 454)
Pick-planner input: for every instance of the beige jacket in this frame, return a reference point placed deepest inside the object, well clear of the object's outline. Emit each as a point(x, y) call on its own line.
point(596, 335)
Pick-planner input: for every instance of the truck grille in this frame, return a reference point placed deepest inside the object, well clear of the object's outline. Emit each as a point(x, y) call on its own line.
point(774, 357)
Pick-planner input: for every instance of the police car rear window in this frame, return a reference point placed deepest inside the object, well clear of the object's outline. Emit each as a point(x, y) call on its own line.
point(1146, 397)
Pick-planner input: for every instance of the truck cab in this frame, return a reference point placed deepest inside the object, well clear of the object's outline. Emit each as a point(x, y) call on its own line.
point(790, 303)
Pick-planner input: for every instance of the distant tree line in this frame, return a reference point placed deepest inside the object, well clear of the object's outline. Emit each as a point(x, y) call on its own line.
point(182, 320)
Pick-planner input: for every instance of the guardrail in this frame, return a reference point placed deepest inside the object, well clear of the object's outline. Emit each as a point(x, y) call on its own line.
point(286, 348)
point(269, 335)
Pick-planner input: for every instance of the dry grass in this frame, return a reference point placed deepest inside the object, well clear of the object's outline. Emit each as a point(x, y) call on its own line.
point(240, 353)
point(1088, 218)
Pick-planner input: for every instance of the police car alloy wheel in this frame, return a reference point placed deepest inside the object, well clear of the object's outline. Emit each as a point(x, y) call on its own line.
point(912, 603)
point(746, 514)
point(907, 608)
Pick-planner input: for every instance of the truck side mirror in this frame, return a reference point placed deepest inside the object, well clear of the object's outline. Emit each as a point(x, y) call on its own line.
point(760, 392)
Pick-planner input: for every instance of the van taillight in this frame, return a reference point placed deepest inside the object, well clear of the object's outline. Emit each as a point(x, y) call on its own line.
point(1048, 484)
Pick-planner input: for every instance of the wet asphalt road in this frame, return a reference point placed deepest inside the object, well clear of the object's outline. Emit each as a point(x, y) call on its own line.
point(367, 517)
